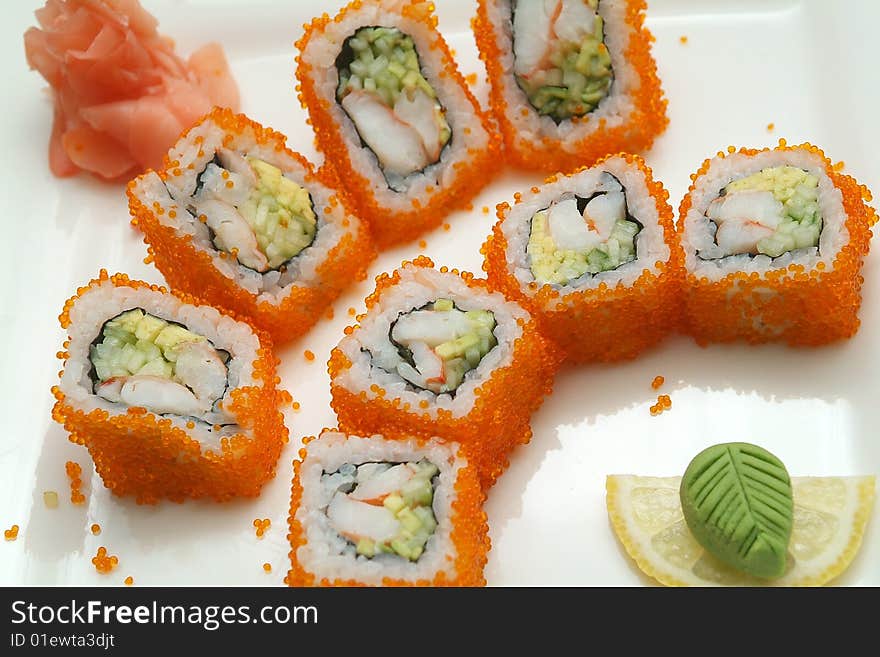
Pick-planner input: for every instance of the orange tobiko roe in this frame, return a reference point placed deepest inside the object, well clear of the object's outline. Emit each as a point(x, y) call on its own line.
point(497, 422)
point(636, 133)
point(192, 270)
point(104, 562)
point(469, 536)
point(393, 227)
point(74, 472)
point(604, 324)
point(143, 455)
point(789, 304)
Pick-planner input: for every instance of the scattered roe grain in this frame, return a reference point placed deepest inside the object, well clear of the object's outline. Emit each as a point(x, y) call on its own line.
point(74, 473)
point(262, 525)
point(664, 403)
point(104, 563)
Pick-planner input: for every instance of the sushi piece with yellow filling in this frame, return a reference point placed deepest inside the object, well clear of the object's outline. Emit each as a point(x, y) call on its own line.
point(438, 354)
point(393, 115)
point(571, 80)
point(173, 399)
point(774, 241)
point(237, 219)
point(372, 511)
point(594, 256)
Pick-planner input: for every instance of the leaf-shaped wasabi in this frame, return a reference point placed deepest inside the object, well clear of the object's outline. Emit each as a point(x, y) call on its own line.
point(737, 502)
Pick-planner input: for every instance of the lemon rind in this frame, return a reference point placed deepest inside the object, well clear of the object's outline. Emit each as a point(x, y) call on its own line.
point(629, 543)
point(864, 506)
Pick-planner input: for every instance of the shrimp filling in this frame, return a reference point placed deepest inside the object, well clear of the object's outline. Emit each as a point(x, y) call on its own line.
point(437, 345)
point(142, 360)
point(382, 508)
point(394, 109)
point(253, 211)
point(770, 212)
point(560, 59)
point(576, 236)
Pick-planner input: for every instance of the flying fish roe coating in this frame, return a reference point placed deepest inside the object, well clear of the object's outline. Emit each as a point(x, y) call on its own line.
point(469, 536)
point(503, 403)
point(144, 455)
point(530, 150)
point(468, 161)
point(787, 304)
point(602, 323)
point(188, 267)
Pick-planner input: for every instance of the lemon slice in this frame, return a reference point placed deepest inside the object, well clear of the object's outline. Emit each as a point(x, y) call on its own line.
point(830, 514)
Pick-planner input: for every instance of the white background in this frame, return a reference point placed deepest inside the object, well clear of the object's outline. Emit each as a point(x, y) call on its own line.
point(802, 65)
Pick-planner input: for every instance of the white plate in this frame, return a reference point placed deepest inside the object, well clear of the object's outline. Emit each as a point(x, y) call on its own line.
point(798, 64)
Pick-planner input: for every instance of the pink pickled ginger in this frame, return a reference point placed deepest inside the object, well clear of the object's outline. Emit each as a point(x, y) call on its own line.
point(122, 96)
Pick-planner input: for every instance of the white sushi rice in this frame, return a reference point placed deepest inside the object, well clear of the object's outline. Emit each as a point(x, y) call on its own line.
point(369, 346)
point(327, 554)
point(650, 244)
point(321, 52)
point(175, 193)
point(615, 108)
point(105, 301)
point(699, 236)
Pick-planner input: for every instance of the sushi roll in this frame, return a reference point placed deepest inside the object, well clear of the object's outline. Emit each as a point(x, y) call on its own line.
point(438, 354)
point(774, 241)
point(571, 80)
point(172, 399)
point(594, 256)
point(371, 511)
point(393, 115)
point(240, 221)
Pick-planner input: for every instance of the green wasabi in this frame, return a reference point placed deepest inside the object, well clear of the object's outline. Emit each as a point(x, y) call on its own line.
point(737, 503)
